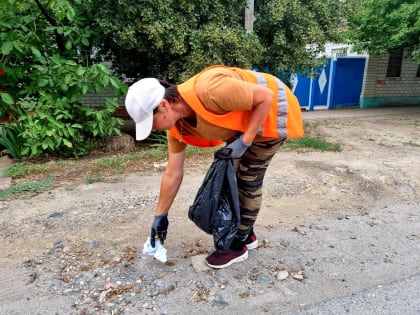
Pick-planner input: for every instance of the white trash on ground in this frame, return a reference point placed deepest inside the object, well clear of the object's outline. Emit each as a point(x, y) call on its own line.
point(159, 252)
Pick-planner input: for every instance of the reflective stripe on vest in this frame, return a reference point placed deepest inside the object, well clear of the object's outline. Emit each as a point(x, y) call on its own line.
point(281, 105)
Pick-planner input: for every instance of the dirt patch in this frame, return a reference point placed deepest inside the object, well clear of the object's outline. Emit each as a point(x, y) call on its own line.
point(339, 221)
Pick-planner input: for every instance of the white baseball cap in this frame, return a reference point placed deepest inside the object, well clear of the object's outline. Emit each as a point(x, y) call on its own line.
point(142, 98)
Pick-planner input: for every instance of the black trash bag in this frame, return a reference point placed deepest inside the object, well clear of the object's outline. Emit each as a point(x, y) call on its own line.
point(216, 206)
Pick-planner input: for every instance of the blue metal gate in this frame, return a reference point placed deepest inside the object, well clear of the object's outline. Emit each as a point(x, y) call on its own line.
point(339, 83)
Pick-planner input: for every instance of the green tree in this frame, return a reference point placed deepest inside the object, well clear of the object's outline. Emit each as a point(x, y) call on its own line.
point(382, 26)
point(175, 39)
point(171, 38)
point(295, 32)
point(47, 49)
point(44, 53)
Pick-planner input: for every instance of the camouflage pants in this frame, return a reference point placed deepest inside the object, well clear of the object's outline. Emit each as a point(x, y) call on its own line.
point(250, 171)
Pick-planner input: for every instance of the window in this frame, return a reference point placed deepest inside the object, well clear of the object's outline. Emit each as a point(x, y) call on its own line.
point(394, 63)
point(418, 71)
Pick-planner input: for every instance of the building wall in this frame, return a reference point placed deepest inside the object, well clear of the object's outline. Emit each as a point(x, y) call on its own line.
point(380, 90)
point(340, 50)
point(99, 99)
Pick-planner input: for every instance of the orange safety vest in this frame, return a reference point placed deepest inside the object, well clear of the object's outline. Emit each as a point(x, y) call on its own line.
point(283, 120)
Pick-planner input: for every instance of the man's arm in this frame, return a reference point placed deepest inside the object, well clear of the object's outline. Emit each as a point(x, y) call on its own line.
point(262, 101)
point(171, 181)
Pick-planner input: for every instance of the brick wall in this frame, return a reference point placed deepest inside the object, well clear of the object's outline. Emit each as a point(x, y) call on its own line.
point(98, 100)
point(376, 84)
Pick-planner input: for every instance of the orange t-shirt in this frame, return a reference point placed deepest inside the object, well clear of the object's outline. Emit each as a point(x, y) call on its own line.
point(220, 90)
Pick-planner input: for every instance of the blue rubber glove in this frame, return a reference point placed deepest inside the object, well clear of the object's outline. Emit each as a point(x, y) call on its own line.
point(238, 147)
point(159, 229)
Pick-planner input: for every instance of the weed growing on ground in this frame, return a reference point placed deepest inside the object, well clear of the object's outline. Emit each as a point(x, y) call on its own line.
point(412, 144)
point(94, 178)
point(311, 143)
point(28, 189)
point(115, 163)
point(20, 169)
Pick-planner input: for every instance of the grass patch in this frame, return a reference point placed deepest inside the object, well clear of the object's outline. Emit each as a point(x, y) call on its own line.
point(94, 178)
point(412, 144)
point(416, 123)
point(25, 189)
point(20, 169)
point(202, 152)
point(24, 169)
point(311, 143)
point(150, 153)
point(114, 163)
point(109, 169)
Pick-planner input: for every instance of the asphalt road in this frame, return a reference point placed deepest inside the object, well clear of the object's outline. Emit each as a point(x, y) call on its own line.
point(399, 297)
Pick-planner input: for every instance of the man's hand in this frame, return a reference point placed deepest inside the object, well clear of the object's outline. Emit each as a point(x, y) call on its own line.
point(238, 147)
point(159, 229)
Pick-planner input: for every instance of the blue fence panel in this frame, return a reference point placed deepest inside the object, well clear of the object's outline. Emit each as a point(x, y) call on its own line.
point(302, 90)
point(321, 86)
point(313, 91)
point(348, 81)
point(339, 83)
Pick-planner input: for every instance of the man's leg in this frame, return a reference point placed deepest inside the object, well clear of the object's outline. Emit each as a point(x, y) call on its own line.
point(250, 171)
point(250, 175)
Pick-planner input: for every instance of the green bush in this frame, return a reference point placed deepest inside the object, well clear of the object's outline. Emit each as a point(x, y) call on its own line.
point(45, 55)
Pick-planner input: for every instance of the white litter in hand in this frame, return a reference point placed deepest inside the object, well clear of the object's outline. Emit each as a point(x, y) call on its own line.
point(159, 252)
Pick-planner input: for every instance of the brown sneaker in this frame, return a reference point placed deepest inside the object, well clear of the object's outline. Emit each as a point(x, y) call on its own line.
point(222, 259)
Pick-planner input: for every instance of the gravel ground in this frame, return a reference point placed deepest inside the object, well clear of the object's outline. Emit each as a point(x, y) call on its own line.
point(338, 233)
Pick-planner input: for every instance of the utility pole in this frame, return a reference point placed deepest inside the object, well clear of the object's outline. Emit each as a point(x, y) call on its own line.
point(249, 16)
